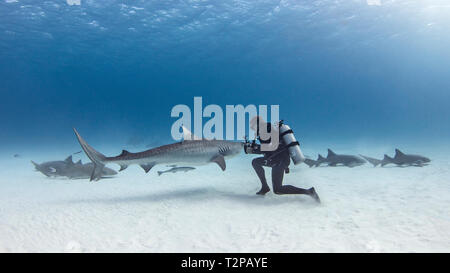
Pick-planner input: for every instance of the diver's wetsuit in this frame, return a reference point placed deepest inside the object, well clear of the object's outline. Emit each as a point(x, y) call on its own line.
point(279, 161)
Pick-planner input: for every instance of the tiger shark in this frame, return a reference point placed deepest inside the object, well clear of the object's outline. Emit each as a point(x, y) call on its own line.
point(400, 159)
point(190, 151)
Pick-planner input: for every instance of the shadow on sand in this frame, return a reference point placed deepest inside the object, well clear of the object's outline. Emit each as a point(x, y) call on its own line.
point(201, 195)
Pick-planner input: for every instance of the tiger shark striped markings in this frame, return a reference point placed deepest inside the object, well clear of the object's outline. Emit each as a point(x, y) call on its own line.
point(190, 151)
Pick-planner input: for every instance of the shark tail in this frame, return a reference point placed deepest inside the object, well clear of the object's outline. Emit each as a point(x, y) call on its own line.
point(320, 160)
point(35, 165)
point(375, 162)
point(386, 160)
point(97, 158)
point(310, 162)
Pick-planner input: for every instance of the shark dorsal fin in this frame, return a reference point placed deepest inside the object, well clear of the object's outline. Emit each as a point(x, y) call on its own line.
point(398, 153)
point(124, 153)
point(69, 159)
point(188, 135)
point(331, 153)
point(320, 157)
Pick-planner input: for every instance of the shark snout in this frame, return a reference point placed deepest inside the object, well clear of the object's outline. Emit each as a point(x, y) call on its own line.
point(426, 160)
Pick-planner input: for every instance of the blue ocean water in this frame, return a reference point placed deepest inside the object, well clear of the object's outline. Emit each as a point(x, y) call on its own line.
point(371, 71)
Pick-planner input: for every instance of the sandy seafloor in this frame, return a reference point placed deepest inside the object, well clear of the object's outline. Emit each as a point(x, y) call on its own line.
point(363, 209)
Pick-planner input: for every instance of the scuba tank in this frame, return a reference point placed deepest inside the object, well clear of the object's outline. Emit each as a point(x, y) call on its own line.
point(293, 145)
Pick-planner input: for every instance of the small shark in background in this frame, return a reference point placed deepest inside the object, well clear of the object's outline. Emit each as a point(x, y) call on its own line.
point(320, 160)
point(400, 159)
point(334, 159)
point(176, 169)
point(310, 162)
point(68, 168)
point(190, 151)
point(315, 163)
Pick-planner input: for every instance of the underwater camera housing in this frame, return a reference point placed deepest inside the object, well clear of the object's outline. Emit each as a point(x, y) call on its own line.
point(287, 135)
point(251, 147)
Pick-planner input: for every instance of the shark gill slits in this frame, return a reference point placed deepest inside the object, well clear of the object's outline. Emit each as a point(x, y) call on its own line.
point(224, 150)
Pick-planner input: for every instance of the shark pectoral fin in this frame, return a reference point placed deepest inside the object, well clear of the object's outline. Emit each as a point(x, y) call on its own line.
point(123, 167)
point(220, 160)
point(147, 167)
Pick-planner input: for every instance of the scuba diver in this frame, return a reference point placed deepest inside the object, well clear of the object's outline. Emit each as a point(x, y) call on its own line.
point(278, 159)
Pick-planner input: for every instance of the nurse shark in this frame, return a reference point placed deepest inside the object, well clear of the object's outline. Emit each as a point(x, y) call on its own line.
point(400, 159)
point(67, 168)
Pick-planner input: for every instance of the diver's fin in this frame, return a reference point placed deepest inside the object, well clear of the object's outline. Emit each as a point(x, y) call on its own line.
point(220, 160)
point(330, 153)
point(375, 162)
point(97, 158)
point(147, 167)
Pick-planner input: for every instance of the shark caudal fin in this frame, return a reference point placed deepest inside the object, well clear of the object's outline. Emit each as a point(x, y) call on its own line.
point(36, 166)
point(320, 160)
point(310, 162)
point(386, 160)
point(375, 162)
point(97, 158)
